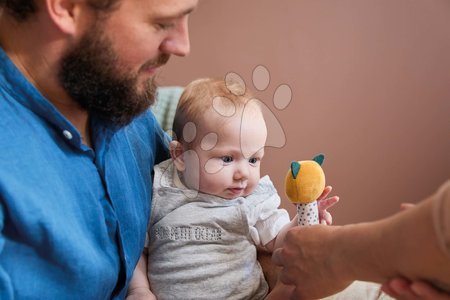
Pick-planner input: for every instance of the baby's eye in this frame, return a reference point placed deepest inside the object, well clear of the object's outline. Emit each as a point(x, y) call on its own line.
point(227, 159)
point(253, 160)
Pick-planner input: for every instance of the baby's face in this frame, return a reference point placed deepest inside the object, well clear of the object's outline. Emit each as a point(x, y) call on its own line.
point(226, 161)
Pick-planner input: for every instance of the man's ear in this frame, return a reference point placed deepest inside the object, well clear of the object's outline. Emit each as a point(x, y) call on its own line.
point(176, 153)
point(65, 14)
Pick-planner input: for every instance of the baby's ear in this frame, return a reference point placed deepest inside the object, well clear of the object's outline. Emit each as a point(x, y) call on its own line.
point(176, 153)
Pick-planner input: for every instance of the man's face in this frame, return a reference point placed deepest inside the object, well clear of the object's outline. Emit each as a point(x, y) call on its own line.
point(111, 70)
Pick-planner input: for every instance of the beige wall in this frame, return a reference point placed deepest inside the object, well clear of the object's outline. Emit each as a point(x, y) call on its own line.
point(370, 82)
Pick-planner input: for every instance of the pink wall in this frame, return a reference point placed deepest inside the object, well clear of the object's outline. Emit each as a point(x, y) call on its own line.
point(370, 82)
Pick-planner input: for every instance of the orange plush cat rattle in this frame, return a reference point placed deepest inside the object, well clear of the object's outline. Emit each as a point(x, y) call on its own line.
point(304, 183)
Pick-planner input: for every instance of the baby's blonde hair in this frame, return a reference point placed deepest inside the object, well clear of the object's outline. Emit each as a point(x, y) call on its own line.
point(198, 96)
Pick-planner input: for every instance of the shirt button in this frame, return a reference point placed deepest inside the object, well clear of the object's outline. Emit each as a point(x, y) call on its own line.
point(67, 134)
point(161, 193)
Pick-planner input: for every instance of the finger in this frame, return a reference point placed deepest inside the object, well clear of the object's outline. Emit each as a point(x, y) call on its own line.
point(387, 290)
point(402, 288)
point(328, 202)
point(426, 291)
point(280, 291)
point(277, 257)
point(295, 294)
point(325, 217)
point(405, 205)
point(328, 218)
point(288, 275)
point(325, 192)
point(289, 291)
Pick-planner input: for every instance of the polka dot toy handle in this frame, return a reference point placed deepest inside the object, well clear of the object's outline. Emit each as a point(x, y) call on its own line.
point(308, 213)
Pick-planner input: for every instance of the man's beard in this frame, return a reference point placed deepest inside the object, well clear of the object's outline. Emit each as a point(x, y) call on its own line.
point(90, 74)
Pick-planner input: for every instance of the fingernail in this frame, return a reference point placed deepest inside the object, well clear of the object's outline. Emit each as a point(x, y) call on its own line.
point(417, 290)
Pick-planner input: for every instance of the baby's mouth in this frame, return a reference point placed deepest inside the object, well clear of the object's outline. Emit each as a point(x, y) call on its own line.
point(236, 190)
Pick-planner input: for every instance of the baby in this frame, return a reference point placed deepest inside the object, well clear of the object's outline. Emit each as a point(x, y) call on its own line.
point(211, 210)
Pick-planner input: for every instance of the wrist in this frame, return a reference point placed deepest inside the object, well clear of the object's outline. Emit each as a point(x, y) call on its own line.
point(360, 252)
point(139, 292)
point(341, 261)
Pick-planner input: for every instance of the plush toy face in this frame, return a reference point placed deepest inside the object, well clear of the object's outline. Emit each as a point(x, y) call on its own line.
point(305, 180)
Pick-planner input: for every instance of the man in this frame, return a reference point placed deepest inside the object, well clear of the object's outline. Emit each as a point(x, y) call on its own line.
point(77, 142)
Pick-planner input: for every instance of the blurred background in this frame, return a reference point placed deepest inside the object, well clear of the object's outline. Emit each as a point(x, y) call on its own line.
point(370, 82)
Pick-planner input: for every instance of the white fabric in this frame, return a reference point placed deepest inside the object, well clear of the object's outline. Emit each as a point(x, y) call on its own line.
point(361, 290)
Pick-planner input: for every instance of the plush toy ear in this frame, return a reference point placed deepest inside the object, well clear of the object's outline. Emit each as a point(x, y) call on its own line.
point(295, 168)
point(319, 158)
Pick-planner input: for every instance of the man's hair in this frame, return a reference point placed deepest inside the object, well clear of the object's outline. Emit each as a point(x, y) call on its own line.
point(21, 10)
point(202, 94)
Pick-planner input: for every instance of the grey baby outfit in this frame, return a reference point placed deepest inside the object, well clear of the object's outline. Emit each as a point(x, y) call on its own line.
point(204, 247)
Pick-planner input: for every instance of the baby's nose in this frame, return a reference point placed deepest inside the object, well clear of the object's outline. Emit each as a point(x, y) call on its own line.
point(241, 172)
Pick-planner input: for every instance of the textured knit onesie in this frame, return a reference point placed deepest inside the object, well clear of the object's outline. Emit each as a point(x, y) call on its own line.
point(204, 247)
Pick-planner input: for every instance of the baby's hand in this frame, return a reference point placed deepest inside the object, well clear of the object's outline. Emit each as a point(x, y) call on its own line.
point(324, 203)
point(401, 288)
point(140, 293)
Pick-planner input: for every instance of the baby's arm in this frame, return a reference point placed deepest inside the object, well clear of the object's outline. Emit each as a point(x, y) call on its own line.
point(139, 288)
point(324, 202)
point(277, 242)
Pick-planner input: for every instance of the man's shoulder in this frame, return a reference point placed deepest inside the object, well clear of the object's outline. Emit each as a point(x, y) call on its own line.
point(11, 116)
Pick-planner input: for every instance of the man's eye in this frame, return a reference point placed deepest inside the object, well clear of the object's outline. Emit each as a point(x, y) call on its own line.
point(253, 160)
point(227, 159)
point(165, 26)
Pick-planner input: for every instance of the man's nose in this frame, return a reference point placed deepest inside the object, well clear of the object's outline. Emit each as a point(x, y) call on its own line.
point(177, 42)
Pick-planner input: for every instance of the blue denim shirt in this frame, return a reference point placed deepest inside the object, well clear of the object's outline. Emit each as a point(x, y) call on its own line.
point(72, 220)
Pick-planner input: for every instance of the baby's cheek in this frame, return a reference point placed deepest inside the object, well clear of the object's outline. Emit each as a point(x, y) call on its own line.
point(214, 182)
point(250, 187)
point(213, 166)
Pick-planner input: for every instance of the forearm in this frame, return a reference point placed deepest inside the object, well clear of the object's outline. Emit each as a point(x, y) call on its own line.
point(139, 279)
point(402, 245)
